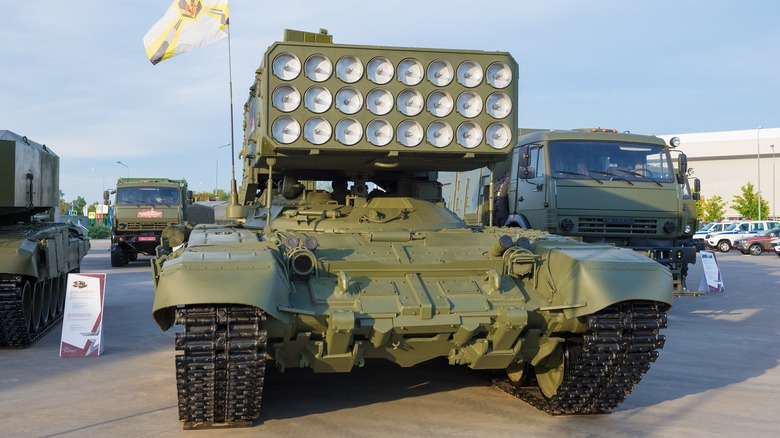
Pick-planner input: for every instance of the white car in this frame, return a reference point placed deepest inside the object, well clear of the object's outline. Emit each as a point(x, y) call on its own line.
point(724, 240)
point(710, 228)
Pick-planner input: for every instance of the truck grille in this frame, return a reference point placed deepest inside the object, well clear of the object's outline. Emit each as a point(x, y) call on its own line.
point(587, 225)
point(145, 226)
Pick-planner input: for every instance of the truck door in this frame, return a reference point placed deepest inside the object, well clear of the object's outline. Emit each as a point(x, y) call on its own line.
point(531, 198)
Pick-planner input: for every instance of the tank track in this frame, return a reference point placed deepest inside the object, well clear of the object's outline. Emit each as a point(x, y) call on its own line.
point(14, 330)
point(221, 372)
point(620, 344)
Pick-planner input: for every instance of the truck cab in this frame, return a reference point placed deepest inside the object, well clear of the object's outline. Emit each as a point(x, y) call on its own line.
point(602, 187)
point(143, 208)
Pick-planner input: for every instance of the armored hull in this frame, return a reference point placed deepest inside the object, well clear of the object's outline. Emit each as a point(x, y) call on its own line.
point(35, 259)
point(331, 289)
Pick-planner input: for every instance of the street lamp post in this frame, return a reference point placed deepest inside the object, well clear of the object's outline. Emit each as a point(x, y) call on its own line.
point(774, 214)
point(128, 167)
point(216, 179)
point(758, 158)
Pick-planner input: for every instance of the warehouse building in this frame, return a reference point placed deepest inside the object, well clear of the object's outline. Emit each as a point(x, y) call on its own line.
point(727, 160)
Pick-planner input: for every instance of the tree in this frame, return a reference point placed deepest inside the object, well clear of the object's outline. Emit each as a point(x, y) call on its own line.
point(747, 204)
point(712, 208)
point(78, 204)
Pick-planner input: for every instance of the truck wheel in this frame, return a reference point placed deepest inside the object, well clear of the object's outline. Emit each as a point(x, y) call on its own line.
point(501, 201)
point(756, 249)
point(118, 257)
point(724, 246)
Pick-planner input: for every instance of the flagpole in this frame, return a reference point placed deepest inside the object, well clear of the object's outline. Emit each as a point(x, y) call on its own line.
point(233, 190)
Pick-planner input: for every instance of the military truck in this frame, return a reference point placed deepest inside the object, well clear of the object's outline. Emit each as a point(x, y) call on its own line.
point(143, 209)
point(36, 254)
point(604, 187)
point(322, 271)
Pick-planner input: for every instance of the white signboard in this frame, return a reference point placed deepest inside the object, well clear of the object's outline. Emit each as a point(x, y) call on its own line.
point(712, 280)
point(82, 323)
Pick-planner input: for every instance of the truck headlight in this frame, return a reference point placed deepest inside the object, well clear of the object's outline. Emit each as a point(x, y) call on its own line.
point(566, 224)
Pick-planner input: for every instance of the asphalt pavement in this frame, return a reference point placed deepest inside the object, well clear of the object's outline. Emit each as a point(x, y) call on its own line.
point(717, 375)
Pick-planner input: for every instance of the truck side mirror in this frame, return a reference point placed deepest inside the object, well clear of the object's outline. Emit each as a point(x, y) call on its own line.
point(190, 199)
point(682, 164)
point(527, 172)
point(696, 189)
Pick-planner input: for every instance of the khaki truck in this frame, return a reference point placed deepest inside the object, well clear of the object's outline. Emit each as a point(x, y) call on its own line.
point(143, 209)
point(603, 187)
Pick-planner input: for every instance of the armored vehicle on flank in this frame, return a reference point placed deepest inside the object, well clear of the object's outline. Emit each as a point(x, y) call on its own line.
point(36, 254)
point(143, 209)
point(348, 252)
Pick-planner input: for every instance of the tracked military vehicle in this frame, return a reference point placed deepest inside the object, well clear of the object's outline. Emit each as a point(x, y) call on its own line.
point(36, 254)
point(343, 249)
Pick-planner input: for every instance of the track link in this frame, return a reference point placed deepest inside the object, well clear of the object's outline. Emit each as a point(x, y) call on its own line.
point(617, 349)
point(221, 372)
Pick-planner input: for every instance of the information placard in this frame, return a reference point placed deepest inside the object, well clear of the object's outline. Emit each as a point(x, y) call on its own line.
point(82, 323)
point(712, 280)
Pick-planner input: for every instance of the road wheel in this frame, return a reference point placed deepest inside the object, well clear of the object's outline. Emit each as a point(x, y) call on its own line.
point(756, 249)
point(724, 246)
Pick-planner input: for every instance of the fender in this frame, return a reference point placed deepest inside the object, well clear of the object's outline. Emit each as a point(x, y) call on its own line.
point(199, 274)
point(518, 219)
point(590, 277)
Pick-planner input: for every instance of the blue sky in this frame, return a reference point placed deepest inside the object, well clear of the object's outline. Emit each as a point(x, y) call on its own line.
point(74, 75)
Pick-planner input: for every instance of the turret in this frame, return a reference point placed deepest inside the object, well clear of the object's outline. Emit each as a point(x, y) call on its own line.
point(29, 178)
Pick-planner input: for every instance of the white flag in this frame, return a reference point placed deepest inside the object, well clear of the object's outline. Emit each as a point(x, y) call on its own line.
point(186, 25)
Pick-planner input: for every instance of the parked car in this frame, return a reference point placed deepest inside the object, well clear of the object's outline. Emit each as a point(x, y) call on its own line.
point(709, 228)
point(774, 245)
point(758, 244)
point(724, 240)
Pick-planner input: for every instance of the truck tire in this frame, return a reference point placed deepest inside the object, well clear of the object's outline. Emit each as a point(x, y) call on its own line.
point(118, 257)
point(501, 201)
point(724, 246)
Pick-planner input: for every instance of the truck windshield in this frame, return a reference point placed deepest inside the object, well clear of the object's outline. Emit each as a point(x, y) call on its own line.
point(602, 160)
point(147, 195)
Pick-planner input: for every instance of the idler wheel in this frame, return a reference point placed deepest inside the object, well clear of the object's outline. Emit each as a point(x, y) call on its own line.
point(552, 371)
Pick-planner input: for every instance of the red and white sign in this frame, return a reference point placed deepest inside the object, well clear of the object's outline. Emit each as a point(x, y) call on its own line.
point(147, 238)
point(82, 323)
point(147, 214)
point(712, 281)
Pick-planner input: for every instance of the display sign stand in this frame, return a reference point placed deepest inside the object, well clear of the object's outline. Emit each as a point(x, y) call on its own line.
point(82, 323)
point(711, 281)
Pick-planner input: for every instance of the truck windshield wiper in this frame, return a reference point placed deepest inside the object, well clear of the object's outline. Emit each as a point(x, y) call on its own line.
point(601, 172)
point(639, 175)
point(566, 172)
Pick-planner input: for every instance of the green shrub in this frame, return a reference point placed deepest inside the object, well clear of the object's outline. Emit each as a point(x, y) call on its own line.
point(99, 232)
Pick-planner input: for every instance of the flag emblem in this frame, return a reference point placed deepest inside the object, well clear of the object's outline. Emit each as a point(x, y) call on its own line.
point(186, 26)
